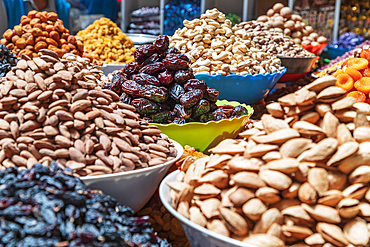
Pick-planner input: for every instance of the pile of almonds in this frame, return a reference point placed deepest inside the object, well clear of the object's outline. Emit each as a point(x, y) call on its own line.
point(299, 178)
point(41, 30)
point(50, 109)
point(281, 19)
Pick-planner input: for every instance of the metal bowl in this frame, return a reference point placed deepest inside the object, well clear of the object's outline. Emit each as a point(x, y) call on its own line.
point(297, 67)
point(141, 39)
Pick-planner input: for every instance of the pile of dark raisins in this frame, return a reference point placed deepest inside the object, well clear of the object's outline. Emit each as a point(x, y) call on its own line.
point(48, 207)
point(7, 60)
point(162, 87)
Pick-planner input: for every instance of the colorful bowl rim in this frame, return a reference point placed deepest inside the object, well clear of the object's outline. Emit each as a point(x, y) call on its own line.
point(247, 75)
point(188, 222)
point(248, 107)
point(298, 58)
point(180, 152)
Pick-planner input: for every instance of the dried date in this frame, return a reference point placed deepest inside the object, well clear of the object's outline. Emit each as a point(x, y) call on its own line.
point(152, 59)
point(143, 52)
point(131, 68)
point(165, 78)
point(190, 98)
point(211, 94)
point(144, 79)
point(145, 106)
point(195, 84)
point(125, 98)
point(173, 50)
point(176, 91)
point(161, 43)
point(157, 94)
point(200, 108)
point(182, 76)
point(117, 81)
point(153, 69)
point(181, 112)
point(179, 121)
point(175, 64)
point(163, 117)
point(178, 56)
point(132, 87)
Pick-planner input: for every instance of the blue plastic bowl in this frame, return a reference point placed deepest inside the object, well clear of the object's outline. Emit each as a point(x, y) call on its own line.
point(246, 89)
point(336, 51)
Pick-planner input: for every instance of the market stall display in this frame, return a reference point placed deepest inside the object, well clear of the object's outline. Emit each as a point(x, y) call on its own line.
point(51, 110)
point(298, 178)
point(44, 206)
point(41, 30)
point(7, 60)
point(215, 48)
point(145, 21)
point(161, 86)
point(107, 43)
point(345, 42)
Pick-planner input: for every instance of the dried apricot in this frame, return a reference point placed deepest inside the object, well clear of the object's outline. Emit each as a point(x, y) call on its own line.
point(357, 63)
point(363, 85)
point(365, 72)
point(359, 96)
point(356, 75)
point(344, 81)
point(365, 54)
point(339, 71)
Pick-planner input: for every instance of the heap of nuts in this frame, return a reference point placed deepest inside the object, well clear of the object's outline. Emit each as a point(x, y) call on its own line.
point(272, 41)
point(282, 20)
point(107, 43)
point(50, 111)
point(41, 30)
point(161, 86)
point(214, 47)
point(91, 74)
point(299, 178)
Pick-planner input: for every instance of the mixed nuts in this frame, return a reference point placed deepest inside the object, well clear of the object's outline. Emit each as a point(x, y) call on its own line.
point(299, 178)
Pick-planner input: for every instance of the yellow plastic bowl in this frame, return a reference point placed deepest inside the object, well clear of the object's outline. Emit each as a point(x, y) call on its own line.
point(203, 136)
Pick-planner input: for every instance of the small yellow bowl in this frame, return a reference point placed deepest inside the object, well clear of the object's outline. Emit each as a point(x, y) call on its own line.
point(203, 136)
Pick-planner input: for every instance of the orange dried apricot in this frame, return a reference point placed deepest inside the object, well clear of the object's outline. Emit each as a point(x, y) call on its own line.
point(339, 71)
point(357, 63)
point(365, 54)
point(363, 85)
point(344, 81)
point(356, 75)
point(359, 96)
point(365, 72)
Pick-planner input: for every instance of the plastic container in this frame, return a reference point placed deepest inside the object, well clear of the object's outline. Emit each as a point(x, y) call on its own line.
point(198, 236)
point(335, 52)
point(246, 89)
point(317, 49)
point(203, 136)
point(133, 188)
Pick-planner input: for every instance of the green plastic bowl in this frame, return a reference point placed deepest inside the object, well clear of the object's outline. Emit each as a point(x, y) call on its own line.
point(203, 136)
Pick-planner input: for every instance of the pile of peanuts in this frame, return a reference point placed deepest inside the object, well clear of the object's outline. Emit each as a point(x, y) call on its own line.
point(41, 30)
point(269, 40)
point(282, 20)
point(214, 47)
point(49, 110)
point(107, 43)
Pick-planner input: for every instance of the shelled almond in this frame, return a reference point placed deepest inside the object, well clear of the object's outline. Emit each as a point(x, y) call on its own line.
point(51, 108)
point(299, 178)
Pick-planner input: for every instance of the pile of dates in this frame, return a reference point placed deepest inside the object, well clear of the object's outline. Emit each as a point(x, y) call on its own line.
point(49, 207)
point(7, 60)
point(161, 86)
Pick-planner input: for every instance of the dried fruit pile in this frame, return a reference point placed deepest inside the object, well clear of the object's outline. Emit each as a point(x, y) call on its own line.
point(300, 178)
point(282, 20)
point(41, 30)
point(354, 77)
point(214, 47)
point(107, 43)
point(7, 60)
point(160, 84)
point(272, 41)
point(50, 109)
point(48, 207)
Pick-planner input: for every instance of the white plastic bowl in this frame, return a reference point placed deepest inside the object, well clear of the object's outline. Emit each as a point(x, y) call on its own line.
point(133, 188)
point(198, 236)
